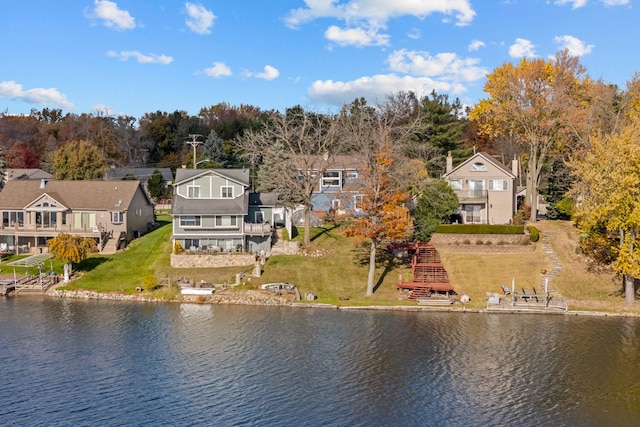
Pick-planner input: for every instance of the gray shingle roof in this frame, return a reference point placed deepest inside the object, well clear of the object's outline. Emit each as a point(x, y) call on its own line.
point(239, 175)
point(141, 174)
point(237, 206)
point(78, 195)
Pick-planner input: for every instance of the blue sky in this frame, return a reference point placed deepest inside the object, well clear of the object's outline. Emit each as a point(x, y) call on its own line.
point(137, 56)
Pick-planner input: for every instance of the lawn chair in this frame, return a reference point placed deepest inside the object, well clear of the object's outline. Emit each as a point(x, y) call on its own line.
point(505, 290)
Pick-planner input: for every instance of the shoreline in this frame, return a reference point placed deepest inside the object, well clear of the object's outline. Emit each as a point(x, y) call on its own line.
point(259, 298)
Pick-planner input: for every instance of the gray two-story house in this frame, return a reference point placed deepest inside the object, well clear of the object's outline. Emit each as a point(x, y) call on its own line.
point(213, 211)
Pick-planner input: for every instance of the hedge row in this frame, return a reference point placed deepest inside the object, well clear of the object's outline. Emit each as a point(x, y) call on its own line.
point(479, 229)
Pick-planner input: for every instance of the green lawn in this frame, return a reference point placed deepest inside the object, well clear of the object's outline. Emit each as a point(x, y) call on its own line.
point(339, 276)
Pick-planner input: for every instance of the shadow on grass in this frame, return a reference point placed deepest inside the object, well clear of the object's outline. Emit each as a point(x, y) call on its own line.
point(326, 231)
point(384, 258)
point(90, 263)
point(390, 263)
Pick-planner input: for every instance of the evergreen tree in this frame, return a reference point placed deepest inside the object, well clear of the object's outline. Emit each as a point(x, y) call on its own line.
point(435, 205)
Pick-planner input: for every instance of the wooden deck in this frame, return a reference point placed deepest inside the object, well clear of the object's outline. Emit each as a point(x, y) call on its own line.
point(428, 274)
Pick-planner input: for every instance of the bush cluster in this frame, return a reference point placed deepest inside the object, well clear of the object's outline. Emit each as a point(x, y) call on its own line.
point(479, 229)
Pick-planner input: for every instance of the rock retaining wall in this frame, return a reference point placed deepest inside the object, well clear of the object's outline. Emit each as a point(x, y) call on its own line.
point(506, 243)
point(245, 297)
point(211, 261)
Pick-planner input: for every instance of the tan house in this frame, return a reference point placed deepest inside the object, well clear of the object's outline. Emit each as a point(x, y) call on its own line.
point(34, 211)
point(485, 188)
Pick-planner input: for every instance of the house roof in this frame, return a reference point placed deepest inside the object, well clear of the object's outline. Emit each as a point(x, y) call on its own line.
point(239, 175)
point(78, 195)
point(33, 173)
point(263, 199)
point(141, 174)
point(236, 206)
point(333, 162)
point(486, 158)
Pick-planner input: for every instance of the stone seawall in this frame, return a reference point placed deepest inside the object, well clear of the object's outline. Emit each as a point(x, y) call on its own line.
point(211, 261)
point(244, 297)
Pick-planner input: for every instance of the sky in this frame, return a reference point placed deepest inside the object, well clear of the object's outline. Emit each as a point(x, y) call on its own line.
point(131, 57)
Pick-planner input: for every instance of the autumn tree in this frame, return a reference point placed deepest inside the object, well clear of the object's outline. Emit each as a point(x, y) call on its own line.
point(608, 190)
point(22, 156)
point(378, 136)
point(77, 160)
point(70, 249)
point(292, 151)
point(528, 105)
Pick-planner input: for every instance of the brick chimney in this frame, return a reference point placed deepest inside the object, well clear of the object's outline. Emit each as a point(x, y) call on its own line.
point(449, 162)
point(514, 166)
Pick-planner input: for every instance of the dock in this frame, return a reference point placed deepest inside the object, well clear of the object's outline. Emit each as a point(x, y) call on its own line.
point(7, 287)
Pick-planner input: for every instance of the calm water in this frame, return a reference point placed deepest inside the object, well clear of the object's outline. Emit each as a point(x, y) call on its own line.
point(97, 363)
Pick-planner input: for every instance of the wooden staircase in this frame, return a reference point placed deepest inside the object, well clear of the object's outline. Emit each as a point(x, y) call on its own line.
point(429, 275)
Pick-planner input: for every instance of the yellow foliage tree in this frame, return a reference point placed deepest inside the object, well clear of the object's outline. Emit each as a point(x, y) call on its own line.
point(607, 189)
point(528, 104)
point(70, 249)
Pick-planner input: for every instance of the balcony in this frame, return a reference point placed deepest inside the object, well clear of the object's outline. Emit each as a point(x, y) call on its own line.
point(39, 230)
point(466, 196)
point(263, 229)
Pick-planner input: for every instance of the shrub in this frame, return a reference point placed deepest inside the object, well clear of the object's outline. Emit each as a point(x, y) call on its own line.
point(177, 248)
point(479, 242)
point(466, 242)
point(149, 282)
point(534, 233)
point(479, 229)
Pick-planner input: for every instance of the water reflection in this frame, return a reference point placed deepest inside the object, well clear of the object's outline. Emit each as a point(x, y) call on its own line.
point(107, 363)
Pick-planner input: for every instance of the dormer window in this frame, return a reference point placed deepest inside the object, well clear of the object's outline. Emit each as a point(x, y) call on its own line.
point(193, 191)
point(478, 167)
point(227, 192)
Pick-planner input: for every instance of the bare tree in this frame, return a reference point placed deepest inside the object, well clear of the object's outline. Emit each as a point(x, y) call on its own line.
point(291, 153)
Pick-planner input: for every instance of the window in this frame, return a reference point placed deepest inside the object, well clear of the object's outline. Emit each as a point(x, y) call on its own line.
point(331, 179)
point(193, 192)
point(10, 219)
point(352, 174)
point(498, 184)
point(478, 167)
point(357, 202)
point(46, 219)
point(189, 221)
point(259, 217)
point(335, 204)
point(456, 184)
point(117, 217)
point(226, 221)
point(227, 192)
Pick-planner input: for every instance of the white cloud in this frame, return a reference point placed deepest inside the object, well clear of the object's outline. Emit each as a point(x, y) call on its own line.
point(575, 46)
point(475, 45)
point(356, 36)
point(151, 58)
point(365, 18)
point(40, 96)
point(269, 73)
point(577, 4)
point(219, 69)
point(376, 88)
point(414, 33)
point(379, 11)
point(200, 19)
point(112, 17)
point(446, 66)
point(616, 2)
point(522, 48)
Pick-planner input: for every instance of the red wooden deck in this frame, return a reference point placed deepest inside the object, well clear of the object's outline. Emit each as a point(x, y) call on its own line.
point(429, 275)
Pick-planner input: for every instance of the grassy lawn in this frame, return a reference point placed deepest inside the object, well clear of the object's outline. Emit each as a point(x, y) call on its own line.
point(339, 277)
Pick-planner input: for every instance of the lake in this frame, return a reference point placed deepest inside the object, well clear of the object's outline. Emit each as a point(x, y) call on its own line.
point(106, 363)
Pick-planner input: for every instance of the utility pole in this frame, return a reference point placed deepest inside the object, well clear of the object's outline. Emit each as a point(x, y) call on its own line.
point(194, 143)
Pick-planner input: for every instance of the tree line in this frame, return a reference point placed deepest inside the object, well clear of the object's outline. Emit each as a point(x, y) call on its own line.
point(565, 128)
